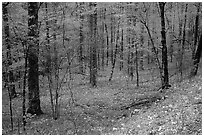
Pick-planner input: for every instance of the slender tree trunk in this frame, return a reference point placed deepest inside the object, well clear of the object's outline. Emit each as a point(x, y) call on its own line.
point(171, 48)
point(81, 39)
point(179, 36)
point(107, 45)
point(165, 82)
point(131, 60)
point(56, 64)
point(112, 38)
point(136, 66)
point(107, 39)
point(197, 58)
point(121, 51)
point(148, 56)
point(93, 49)
point(196, 31)
point(24, 87)
point(10, 75)
point(128, 56)
point(153, 47)
point(33, 77)
point(128, 43)
point(99, 42)
point(10, 100)
point(103, 41)
point(115, 53)
point(48, 60)
point(98, 58)
point(183, 44)
point(141, 52)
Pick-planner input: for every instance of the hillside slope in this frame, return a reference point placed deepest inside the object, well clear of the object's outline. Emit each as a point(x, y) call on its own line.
point(179, 113)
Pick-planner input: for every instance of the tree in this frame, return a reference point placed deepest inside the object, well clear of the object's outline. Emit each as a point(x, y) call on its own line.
point(121, 51)
point(197, 58)
point(10, 75)
point(142, 43)
point(152, 41)
point(196, 29)
point(115, 53)
point(81, 39)
point(103, 39)
point(183, 44)
point(48, 61)
point(165, 81)
point(33, 77)
point(93, 54)
point(107, 39)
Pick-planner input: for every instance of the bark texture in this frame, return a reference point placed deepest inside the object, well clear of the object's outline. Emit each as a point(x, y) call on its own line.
point(33, 77)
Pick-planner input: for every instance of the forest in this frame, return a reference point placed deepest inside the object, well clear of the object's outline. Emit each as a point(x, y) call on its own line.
point(101, 68)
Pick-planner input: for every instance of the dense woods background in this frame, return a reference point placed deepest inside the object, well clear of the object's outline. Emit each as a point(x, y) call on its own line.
point(60, 60)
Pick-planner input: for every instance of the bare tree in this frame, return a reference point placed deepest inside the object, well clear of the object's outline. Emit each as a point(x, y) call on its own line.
point(115, 53)
point(93, 49)
point(197, 58)
point(33, 77)
point(11, 86)
point(81, 38)
point(165, 80)
point(198, 6)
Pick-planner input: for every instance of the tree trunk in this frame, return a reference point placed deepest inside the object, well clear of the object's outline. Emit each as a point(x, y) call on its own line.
point(131, 60)
point(196, 32)
point(24, 87)
point(33, 77)
point(48, 60)
point(56, 63)
point(197, 58)
point(81, 39)
point(136, 65)
point(115, 53)
point(93, 49)
point(121, 51)
point(112, 38)
point(183, 44)
point(103, 41)
point(107, 39)
point(171, 48)
point(154, 49)
point(165, 81)
point(141, 52)
point(148, 55)
point(10, 75)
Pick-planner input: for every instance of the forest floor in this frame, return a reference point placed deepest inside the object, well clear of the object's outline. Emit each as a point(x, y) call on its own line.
point(118, 107)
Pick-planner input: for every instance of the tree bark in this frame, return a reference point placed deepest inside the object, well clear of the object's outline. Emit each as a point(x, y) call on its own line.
point(56, 63)
point(141, 52)
point(33, 77)
point(197, 58)
point(107, 39)
point(112, 38)
point(183, 44)
point(115, 53)
point(103, 40)
point(121, 51)
point(136, 65)
point(48, 60)
point(196, 32)
point(165, 81)
point(10, 75)
point(93, 49)
point(81, 39)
